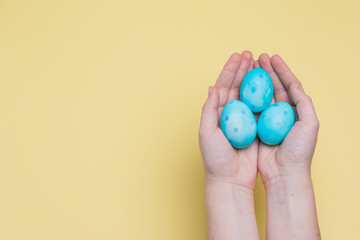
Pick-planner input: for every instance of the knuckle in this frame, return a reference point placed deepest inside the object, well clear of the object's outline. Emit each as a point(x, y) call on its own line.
point(309, 99)
point(294, 84)
point(203, 108)
point(314, 124)
point(317, 123)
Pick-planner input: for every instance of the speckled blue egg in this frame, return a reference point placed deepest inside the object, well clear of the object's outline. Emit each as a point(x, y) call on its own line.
point(256, 90)
point(275, 123)
point(238, 124)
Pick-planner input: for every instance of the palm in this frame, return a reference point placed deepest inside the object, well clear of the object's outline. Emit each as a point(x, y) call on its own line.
point(284, 155)
point(238, 166)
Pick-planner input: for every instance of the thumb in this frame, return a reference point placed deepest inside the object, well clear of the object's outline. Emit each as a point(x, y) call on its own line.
point(209, 118)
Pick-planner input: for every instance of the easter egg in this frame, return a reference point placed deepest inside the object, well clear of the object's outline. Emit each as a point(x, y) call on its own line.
point(256, 90)
point(238, 124)
point(275, 122)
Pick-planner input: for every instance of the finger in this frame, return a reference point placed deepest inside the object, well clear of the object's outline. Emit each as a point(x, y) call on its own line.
point(209, 119)
point(283, 71)
point(251, 67)
point(245, 64)
point(257, 64)
point(304, 106)
point(227, 76)
point(280, 93)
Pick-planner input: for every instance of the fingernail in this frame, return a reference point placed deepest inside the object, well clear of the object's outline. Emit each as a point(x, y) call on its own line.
point(210, 91)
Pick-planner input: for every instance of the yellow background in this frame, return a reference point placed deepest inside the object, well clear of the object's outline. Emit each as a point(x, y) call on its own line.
point(100, 104)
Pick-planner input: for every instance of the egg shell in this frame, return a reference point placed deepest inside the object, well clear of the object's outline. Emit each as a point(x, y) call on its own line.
point(257, 90)
point(238, 124)
point(275, 123)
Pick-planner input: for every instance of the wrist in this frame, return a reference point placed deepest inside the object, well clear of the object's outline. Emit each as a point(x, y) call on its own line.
point(290, 203)
point(285, 176)
point(230, 211)
point(286, 185)
point(222, 191)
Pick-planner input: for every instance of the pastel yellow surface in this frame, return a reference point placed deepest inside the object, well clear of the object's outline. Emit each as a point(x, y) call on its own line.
point(100, 104)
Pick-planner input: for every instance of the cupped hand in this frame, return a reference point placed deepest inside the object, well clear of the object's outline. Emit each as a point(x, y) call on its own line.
point(222, 162)
point(293, 156)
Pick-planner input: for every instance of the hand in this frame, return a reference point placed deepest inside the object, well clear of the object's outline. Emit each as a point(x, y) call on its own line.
point(285, 168)
point(230, 173)
point(293, 156)
point(222, 162)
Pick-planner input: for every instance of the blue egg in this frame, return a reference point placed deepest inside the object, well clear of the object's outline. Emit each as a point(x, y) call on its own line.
point(256, 90)
point(238, 124)
point(275, 122)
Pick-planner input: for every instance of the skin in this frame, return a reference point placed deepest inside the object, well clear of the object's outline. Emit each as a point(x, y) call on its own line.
point(285, 168)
